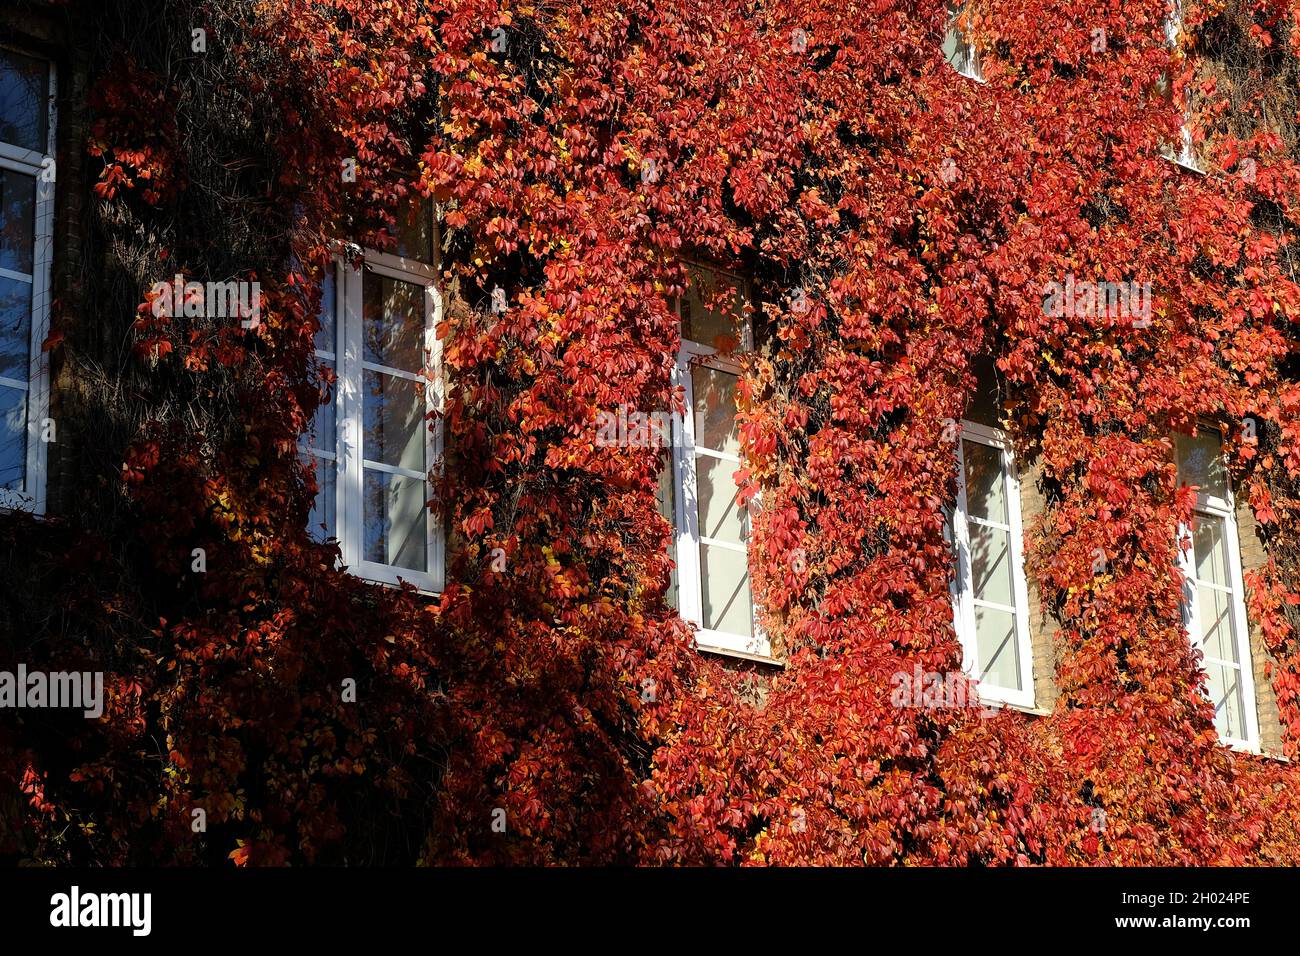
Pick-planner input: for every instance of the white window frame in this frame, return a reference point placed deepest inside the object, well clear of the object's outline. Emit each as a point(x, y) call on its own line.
point(1185, 154)
point(690, 582)
point(971, 67)
point(1214, 508)
point(350, 366)
point(32, 163)
point(962, 589)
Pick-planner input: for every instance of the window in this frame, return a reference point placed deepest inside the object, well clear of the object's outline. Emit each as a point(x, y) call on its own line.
point(372, 446)
point(711, 549)
point(1184, 152)
point(990, 596)
point(1214, 609)
point(957, 49)
point(26, 222)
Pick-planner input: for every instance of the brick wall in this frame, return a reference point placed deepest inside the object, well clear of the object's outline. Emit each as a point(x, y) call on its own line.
point(1253, 557)
point(1042, 626)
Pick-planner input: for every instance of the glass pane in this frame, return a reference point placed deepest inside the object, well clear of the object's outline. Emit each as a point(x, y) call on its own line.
point(961, 558)
point(666, 500)
point(1224, 686)
point(1174, 23)
point(24, 100)
point(996, 645)
point(15, 328)
point(320, 524)
point(392, 314)
point(325, 341)
point(1210, 550)
point(394, 421)
point(13, 438)
point(395, 530)
point(955, 48)
point(984, 401)
point(322, 429)
point(714, 395)
point(727, 602)
point(1200, 462)
point(720, 516)
point(986, 493)
point(415, 230)
point(712, 309)
point(1218, 637)
point(990, 550)
point(17, 221)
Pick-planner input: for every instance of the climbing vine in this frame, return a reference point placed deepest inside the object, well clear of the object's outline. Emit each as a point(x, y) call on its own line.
point(899, 222)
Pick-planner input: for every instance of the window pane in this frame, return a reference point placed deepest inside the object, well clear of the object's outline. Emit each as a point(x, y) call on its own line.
point(727, 602)
point(991, 564)
point(1210, 550)
point(720, 516)
point(1200, 462)
point(393, 322)
point(394, 421)
point(395, 531)
point(713, 307)
point(667, 505)
point(322, 433)
point(986, 495)
point(955, 48)
point(322, 429)
point(1224, 686)
point(24, 99)
point(325, 341)
point(15, 328)
point(13, 438)
point(996, 645)
point(17, 221)
point(320, 524)
point(984, 401)
point(415, 230)
point(1218, 638)
point(714, 396)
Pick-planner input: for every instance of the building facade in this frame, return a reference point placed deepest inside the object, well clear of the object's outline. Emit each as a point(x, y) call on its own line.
point(378, 442)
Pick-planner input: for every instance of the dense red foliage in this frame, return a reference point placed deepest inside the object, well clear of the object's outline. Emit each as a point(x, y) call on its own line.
point(922, 213)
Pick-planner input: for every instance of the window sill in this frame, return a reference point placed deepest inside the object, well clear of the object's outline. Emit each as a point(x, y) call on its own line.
point(393, 582)
point(1241, 747)
point(976, 77)
point(739, 655)
point(1183, 164)
point(1265, 755)
point(990, 703)
point(20, 501)
point(423, 592)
